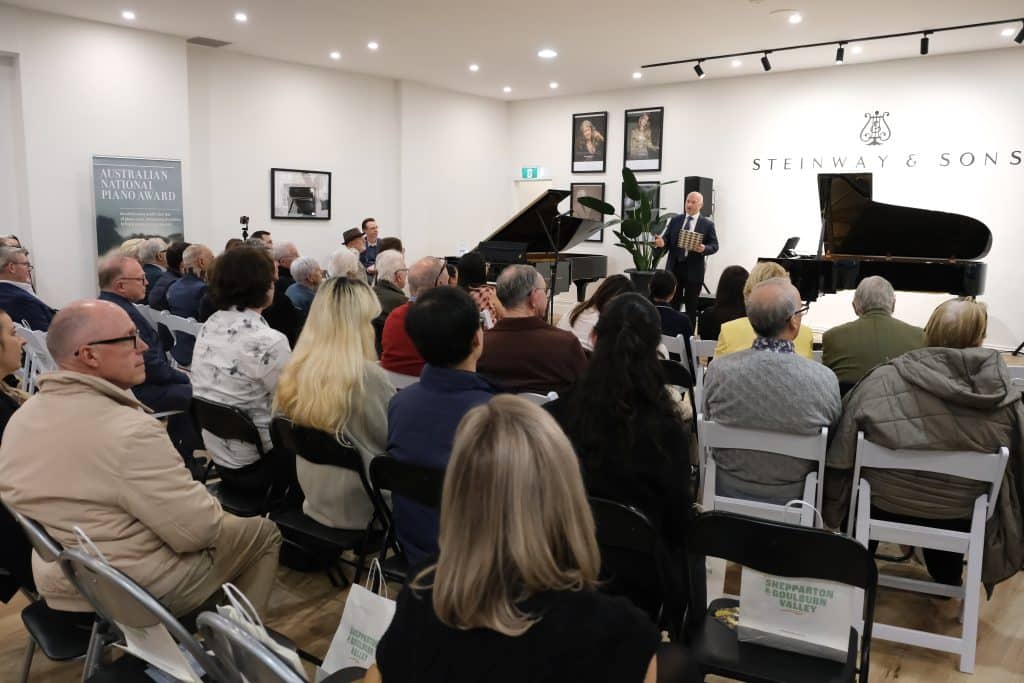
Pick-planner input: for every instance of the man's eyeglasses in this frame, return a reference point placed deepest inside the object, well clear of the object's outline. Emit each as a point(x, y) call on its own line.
point(136, 279)
point(802, 310)
point(133, 338)
point(23, 263)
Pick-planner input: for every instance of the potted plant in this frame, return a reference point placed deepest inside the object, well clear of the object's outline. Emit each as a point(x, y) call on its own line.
point(636, 230)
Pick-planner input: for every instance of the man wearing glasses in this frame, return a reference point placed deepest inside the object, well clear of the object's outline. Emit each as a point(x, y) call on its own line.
point(398, 354)
point(17, 296)
point(85, 449)
point(770, 387)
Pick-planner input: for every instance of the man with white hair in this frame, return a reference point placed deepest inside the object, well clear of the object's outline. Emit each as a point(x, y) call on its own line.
point(285, 254)
point(688, 264)
point(306, 277)
point(875, 337)
point(153, 257)
point(185, 295)
point(389, 287)
point(398, 353)
point(769, 386)
point(17, 296)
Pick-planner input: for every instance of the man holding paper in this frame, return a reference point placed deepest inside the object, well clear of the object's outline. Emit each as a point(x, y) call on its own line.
point(690, 237)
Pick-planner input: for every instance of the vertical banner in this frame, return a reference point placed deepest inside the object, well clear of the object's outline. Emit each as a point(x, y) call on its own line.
point(136, 198)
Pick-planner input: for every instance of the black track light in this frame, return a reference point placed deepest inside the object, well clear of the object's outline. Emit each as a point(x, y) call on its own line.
point(1020, 36)
point(840, 53)
point(924, 44)
point(699, 69)
point(765, 64)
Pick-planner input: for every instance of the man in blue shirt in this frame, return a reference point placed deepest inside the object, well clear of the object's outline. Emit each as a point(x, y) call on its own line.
point(444, 326)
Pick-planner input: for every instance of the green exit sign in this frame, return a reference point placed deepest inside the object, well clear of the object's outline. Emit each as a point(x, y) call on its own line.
point(529, 172)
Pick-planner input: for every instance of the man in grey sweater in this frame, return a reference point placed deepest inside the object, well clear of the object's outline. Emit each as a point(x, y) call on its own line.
point(769, 387)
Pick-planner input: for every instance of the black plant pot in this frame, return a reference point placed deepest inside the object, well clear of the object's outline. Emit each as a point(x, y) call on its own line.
point(641, 280)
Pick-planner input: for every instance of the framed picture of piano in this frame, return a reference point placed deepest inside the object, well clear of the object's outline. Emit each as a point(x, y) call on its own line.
point(652, 189)
point(300, 194)
point(589, 135)
point(642, 138)
point(596, 190)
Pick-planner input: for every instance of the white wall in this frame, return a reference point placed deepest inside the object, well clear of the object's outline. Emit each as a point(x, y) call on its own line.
point(956, 104)
point(11, 146)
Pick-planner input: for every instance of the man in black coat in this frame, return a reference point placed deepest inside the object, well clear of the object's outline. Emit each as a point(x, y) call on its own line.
point(688, 265)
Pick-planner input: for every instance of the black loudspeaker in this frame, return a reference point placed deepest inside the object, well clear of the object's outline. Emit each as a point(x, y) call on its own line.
point(706, 186)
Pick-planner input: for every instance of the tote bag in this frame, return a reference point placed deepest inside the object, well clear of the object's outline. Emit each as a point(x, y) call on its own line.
point(366, 617)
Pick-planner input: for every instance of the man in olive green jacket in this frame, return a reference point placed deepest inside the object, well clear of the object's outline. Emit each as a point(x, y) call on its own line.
point(875, 337)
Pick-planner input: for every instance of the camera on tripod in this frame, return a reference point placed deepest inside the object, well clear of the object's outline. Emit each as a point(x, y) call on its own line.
point(244, 220)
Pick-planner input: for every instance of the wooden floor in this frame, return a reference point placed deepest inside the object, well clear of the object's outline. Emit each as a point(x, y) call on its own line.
point(306, 608)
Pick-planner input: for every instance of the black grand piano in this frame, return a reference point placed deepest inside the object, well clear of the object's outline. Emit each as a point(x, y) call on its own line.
point(914, 249)
point(535, 234)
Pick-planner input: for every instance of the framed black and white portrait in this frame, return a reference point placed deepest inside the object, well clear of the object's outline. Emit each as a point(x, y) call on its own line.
point(595, 190)
point(653, 190)
point(589, 138)
point(643, 138)
point(300, 194)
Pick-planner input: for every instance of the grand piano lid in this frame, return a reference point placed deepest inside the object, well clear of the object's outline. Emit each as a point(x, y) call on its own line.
point(528, 225)
point(853, 224)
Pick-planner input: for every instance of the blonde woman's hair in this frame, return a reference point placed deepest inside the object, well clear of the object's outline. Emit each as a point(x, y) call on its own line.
point(322, 384)
point(761, 272)
point(515, 520)
point(957, 324)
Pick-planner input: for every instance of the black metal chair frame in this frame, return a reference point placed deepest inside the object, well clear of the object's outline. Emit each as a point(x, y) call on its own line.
point(782, 550)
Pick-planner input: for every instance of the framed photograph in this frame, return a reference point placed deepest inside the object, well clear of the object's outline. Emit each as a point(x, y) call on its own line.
point(589, 138)
point(300, 194)
point(643, 138)
point(596, 190)
point(653, 189)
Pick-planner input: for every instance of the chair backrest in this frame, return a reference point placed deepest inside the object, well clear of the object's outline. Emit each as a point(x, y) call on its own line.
point(539, 399)
point(417, 483)
point(176, 323)
point(400, 381)
point(43, 543)
point(242, 657)
point(151, 315)
point(674, 345)
point(703, 349)
point(318, 447)
point(816, 355)
point(227, 422)
point(37, 357)
point(983, 467)
point(117, 598)
point(1016, 372)
point(676, 373)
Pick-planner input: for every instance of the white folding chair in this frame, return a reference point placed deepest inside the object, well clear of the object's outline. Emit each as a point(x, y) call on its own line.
point(703, 351)
point(37, 357)
point(539, 399)
point(151, 316)
point(176, 324)
point(805, 447)
point(1016, 374)
point(400, 381)
point(816, 355)
point(983, 467)
point(675, 345)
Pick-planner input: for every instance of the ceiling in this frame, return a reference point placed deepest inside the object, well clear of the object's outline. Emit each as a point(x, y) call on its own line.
point(600, 43)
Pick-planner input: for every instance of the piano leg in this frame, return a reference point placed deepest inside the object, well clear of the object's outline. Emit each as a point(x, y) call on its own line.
point(581, 289)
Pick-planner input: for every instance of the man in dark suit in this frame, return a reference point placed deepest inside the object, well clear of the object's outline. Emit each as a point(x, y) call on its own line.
point(688, 265)
point(17, 297)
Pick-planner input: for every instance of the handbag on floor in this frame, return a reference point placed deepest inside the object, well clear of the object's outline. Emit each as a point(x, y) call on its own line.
point(366, 617)
point(242, 613)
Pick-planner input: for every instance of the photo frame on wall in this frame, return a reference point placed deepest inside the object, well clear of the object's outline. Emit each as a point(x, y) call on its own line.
point(596, 190)
point(304, 195)
point(642, 138)
point(589, 142)
point(654, 189)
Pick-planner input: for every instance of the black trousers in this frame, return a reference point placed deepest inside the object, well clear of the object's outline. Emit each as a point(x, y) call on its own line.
point(686, 293)
point(944, 566)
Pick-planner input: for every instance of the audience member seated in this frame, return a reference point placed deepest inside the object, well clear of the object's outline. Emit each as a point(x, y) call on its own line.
point(285, 255)
point(232, 243)
point(523, 352)
point(739, 334)
point(473, 279)
point(345, 263)
point(130, 247)
point(445, 327)
point(629, 433)
point(389, 286)
point(369, 256)
point(398, 353)
point(355, 242)
point(513, 595)
point(84, 453)
point(157, 297)
point(10, 241)
point(306, 277)
point(875, 337)
point(262, 236)
point(952, 396)
point(728, 304)
point(673, 322)
point(237, 361)
point(10, 361)
point(153, 257)
point(582, 318)
point(769, 386)
point(334, 384)
point(390, 243)
point(281, 314)
point(184, 297)
point(15, 553)
point(17, 296)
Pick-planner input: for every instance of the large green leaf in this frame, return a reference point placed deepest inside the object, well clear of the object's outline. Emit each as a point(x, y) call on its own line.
point(663, 220)
point(632, 228)
point(603, 208)
point(630, 186)
point(644, 213)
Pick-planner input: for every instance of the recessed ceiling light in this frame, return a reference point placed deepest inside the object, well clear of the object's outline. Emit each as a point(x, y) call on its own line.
point(547, 53)
point(856, 49)
point(637, 75)
point(241, 17)
point(335, 55)
point(474, 67)
point(373, 45)
point(553, 85)
point(507, 89)
point(796, 18)
point(736, 63)
point(1007, 32)
point(128, 15)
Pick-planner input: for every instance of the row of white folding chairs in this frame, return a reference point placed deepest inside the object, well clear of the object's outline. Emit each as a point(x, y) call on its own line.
point(174, 323)
point(37, 358)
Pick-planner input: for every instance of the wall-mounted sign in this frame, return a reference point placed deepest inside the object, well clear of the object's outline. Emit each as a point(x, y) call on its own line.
point(136, 198)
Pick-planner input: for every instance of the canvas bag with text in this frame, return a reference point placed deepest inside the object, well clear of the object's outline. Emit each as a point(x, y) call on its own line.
point(366, 617)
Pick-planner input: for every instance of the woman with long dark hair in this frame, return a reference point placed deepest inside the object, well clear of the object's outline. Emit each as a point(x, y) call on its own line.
point(729, 304)
point(582, 318)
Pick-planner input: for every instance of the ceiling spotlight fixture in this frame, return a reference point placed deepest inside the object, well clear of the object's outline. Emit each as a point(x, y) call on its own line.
point(698, 69)
point(924, 42)
point(796, 18)
point(765, 64)
point(507, 88)
point(128, 15)
point(335, 55)
point(1020, 36)
point(474, 67)
point(1006, 32)
point(241, 17)
point(737, 63)
point(547, 53)
point(372, 45)
point(856, 49)
point(840, 53)
point(553, 85)
point(637, 75)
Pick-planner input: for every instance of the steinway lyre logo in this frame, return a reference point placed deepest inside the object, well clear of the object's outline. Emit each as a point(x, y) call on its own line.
point(876, 130)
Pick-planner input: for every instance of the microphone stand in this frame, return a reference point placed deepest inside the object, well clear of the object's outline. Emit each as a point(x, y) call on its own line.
point(554, 240)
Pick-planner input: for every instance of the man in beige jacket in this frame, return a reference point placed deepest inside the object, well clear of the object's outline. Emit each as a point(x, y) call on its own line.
point(84, 452)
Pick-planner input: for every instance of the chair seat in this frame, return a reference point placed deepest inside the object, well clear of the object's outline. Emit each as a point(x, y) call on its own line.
point(298, 526)
point(717, 649)
point(60, 635)
point(238, 503)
